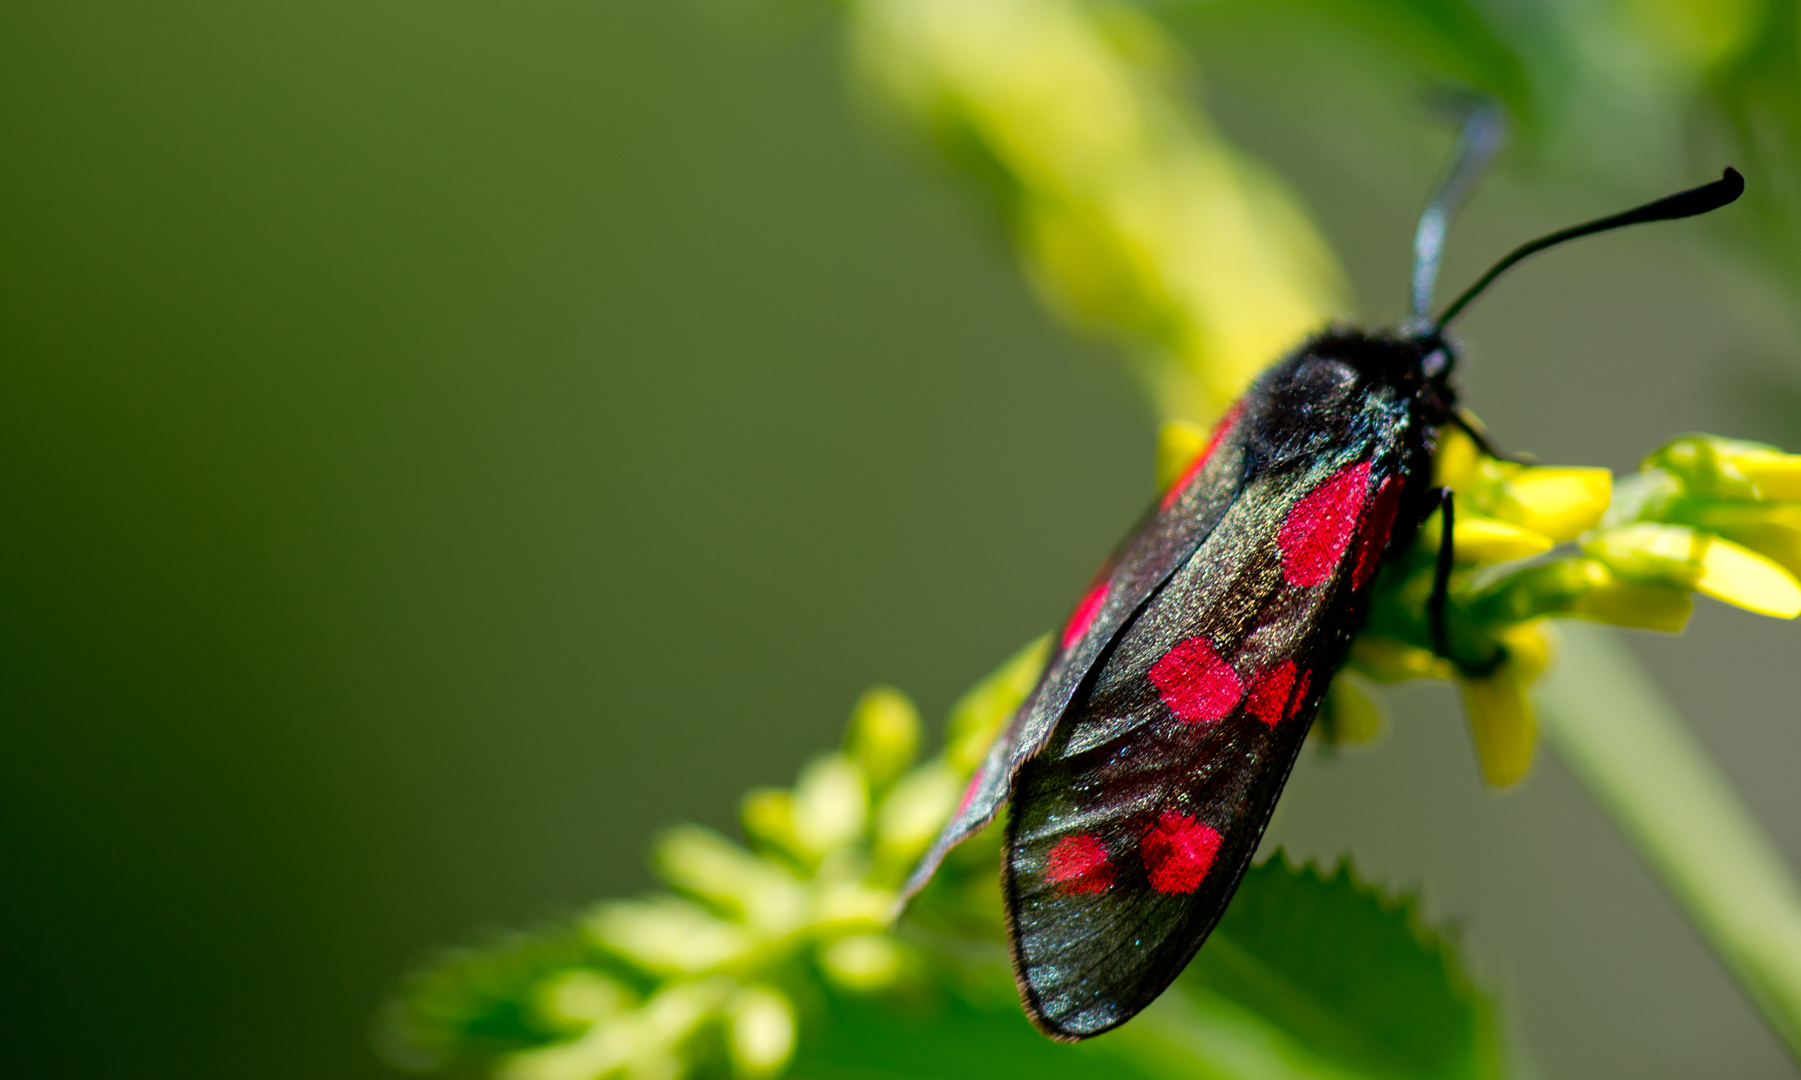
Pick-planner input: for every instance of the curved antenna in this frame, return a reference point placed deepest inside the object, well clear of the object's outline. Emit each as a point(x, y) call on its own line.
point(1680, 205)
point(1484, 130)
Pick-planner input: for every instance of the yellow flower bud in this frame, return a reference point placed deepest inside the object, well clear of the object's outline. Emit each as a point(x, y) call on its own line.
point(1712, 467)
point(1741, 576)
point(1776, 475)
point(768, 815)
point(1561, 503)
point(1477, 539)
point(1454, 466)
point(1715, 567)
point(912, 814)
point(1386, 660)
point(760, 1035)
point(1529, 646)
point(1773, 530)
point(1178, 444)
point(676, 1011)
point(883, 734)
point(702, 862)
point(854, 905)
point(862, 961)
point(575, 999)
point(667, 935)
point(831, 805)
point(1501, 725)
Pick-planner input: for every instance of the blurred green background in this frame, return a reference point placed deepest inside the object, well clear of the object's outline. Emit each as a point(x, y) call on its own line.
point(445, 442)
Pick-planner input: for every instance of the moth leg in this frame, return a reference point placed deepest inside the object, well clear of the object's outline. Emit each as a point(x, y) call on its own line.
point(1441, 577)
point(1441, 595)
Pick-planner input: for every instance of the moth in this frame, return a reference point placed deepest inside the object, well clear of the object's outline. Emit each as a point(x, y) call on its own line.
point(1143, 769)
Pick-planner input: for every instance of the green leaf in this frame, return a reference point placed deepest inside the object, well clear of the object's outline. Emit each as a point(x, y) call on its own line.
point(1344, 973)
point(1310, 976)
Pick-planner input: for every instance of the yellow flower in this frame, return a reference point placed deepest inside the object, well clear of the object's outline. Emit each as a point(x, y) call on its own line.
point(1556, 503)
point(1477, 539)
point(1704, 515)
point(1501, 724)
point(761, 1038)
point(1711, 466)
point(884, 734)
point(1690, 558)
point(1561, 504)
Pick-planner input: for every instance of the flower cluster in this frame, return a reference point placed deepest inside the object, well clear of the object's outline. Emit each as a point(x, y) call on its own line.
point(708, 974)
point(1704, 514)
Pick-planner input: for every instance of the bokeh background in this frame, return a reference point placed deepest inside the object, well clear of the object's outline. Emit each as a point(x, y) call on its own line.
point(443, 442)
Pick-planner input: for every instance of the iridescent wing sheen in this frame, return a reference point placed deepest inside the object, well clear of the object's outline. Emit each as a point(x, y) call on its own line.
point(1162, 542)
point(1134, 822)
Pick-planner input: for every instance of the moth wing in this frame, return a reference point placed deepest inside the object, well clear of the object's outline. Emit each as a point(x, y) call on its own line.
point(1131, 829)
point(1161, 542)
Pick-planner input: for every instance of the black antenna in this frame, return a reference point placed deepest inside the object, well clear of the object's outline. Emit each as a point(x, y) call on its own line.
point(1484, 129)
point(1680, 205)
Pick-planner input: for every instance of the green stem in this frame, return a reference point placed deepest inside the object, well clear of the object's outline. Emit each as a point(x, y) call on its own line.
point(1626, 743)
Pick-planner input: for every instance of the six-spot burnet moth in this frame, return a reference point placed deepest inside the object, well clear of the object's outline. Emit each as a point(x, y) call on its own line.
point(1143, 769)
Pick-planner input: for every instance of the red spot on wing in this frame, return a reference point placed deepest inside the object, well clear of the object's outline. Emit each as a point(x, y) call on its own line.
point(1086, 609)
point(1178, 852)
point(1268, 698)
point(1319, 527)
point(1080, 865)
point(1195, 683)
point(1376, 526)
point(1220, 430)
point(1300, 693)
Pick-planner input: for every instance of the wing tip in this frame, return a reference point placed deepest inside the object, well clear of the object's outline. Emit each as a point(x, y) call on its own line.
point(1059, 1032)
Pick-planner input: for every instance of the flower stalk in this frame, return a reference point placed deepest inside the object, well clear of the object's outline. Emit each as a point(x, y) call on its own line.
point(1626, 743)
